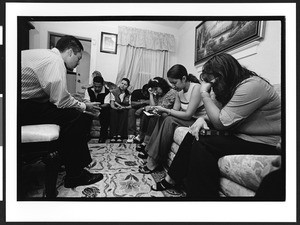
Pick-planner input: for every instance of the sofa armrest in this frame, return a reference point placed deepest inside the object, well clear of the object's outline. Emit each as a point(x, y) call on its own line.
point(179, 134)
point(248, 170)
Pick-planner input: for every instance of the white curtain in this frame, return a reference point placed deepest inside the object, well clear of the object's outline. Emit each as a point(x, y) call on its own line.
point(143, 55)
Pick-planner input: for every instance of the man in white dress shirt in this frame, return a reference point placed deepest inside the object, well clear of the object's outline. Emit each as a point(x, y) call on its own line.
point(45, 99)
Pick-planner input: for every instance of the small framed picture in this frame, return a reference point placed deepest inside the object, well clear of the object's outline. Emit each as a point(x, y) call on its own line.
point(108, 43)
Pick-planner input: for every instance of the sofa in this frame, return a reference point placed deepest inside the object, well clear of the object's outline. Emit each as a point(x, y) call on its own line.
point(241, 175)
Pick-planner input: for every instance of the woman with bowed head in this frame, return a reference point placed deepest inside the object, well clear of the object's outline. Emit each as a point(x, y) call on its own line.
point(160, 94)
point(186, 109)
point(250, 111)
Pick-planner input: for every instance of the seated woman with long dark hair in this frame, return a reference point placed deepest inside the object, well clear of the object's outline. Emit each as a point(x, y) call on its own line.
point(187, 108)
point(251, 111)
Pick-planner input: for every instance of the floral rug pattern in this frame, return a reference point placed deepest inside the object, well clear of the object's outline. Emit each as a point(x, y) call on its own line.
point(119, 163)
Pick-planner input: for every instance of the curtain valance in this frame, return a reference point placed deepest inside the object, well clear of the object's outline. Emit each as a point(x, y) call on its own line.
point(146, 39)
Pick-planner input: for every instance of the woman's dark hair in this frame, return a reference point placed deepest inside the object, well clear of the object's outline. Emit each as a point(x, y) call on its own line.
point(145, 88)
point(127, 80)
point(67, 42)
point(178, 71)
point(159, 82)
point(193, 78)
point(229, 74)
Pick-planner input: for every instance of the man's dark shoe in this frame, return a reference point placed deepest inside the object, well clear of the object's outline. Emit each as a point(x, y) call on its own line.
point(85, 178)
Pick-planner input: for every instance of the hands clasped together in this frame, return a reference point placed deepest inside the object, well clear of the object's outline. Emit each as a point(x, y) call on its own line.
point(200, 123)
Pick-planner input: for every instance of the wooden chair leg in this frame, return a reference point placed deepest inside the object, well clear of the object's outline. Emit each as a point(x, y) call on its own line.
point(52, 166)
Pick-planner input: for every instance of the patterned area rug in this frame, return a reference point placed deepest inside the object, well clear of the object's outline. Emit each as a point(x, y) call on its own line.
point(119, 163)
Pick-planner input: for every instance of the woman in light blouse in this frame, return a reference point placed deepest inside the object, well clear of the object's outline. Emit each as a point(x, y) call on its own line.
point(186, 109)
point(251, 111)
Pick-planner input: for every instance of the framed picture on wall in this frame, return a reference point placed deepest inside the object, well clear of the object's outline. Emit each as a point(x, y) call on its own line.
point(212, 37)
point(108, 43)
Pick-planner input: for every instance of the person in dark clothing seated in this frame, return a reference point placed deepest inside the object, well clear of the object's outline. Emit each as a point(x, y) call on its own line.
point(120, 103)
point(139, 99)
point(99, 93)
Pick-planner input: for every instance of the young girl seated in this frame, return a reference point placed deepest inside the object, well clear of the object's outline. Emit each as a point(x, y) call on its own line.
point(139, 98)
point(187, 108)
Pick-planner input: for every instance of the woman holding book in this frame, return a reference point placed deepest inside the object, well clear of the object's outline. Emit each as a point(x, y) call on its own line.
point(187, 108)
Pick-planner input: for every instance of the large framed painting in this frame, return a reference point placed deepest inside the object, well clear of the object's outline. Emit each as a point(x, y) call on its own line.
point(213, 37)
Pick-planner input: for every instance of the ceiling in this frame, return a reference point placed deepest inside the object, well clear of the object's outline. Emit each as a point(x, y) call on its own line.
point(173, 24)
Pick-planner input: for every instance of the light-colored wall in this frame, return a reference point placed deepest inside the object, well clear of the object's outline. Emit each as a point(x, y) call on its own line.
point(106, 63)
point(185, 54)
point(267, 61)
point(264, 59)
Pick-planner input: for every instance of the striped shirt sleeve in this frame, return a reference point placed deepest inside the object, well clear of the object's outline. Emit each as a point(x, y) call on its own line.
point(52, 78)
point(44, 78)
